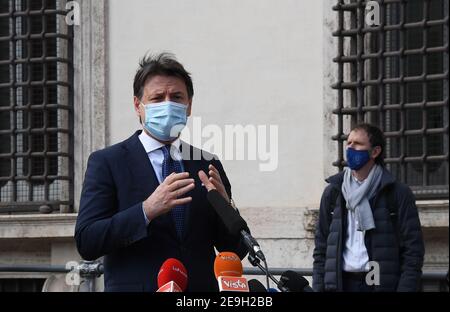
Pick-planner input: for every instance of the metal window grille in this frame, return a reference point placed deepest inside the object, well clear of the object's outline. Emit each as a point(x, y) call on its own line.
point(395, 75)
point(36, 100)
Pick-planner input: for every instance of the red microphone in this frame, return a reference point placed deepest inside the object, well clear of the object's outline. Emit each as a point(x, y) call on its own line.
point(172, 276)
point(228, 271)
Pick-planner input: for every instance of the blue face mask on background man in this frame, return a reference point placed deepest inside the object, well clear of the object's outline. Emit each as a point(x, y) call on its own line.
point(357, 159)
point(165, 120)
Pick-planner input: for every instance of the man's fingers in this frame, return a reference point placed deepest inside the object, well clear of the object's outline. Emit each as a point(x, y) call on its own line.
point(212, 168)
point(180, 192)
point(179, 184)
point(176, 176)
point(216, 183)
point(181, 201)
point(168, 178)
point(215, 175)
point(206, 183)
point(220, 188)
point(203, 177)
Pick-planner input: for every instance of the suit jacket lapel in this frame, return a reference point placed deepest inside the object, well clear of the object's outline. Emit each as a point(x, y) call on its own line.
point(140, 166)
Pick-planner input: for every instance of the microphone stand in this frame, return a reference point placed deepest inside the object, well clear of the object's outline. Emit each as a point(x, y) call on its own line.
point(257, 263)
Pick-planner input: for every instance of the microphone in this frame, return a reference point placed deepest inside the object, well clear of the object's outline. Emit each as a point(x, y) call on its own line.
point(234, 222)
point(294, 282)
point(172, 276)
point(256, 286)
point(228, 264)
point(228, 270)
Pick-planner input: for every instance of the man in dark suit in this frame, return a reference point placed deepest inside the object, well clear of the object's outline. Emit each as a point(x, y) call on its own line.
point(143, 201)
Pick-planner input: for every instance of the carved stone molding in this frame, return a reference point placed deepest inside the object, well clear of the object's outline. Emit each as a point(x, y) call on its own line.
point(37, 226)
point(90, 86)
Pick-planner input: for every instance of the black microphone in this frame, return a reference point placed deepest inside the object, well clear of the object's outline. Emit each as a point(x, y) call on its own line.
point(294, 282)
point(256, 286)
point(234, 222)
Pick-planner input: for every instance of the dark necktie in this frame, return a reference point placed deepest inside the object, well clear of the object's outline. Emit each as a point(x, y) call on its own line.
point(169, 166)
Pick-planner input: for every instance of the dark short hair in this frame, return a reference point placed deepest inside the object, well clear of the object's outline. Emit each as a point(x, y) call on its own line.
point(376, 138)
point(164, 64)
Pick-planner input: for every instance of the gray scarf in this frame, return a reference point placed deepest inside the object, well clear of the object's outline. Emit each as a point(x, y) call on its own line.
point(357, 198)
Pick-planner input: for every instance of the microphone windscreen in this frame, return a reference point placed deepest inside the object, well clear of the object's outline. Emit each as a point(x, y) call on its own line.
point(173, 270)
point(230, 217)
point(293, 281)
point(227, 264)
point(256, 286)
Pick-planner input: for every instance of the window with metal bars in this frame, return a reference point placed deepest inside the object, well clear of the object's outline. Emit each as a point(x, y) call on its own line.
point(395, 75)
point(36, 116)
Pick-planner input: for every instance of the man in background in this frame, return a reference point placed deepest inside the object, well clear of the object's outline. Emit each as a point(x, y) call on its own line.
point(366, 215)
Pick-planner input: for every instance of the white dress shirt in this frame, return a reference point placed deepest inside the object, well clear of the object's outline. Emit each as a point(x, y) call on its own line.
point(156, 156)
point(355, 256)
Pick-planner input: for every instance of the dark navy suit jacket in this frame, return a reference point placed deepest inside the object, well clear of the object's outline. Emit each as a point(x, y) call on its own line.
point(111, 222)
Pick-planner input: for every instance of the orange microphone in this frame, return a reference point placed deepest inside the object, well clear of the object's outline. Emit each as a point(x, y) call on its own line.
point(228, 271)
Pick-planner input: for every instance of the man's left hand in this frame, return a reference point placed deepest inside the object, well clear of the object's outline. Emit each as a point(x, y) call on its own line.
point(214, 182)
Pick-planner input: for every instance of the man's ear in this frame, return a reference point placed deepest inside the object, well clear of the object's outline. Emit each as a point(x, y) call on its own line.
point(189, 108)
point(137, 106)
point(376, 151)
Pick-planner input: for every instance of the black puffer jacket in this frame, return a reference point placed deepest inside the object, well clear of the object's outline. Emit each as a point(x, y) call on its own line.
point(396, 243)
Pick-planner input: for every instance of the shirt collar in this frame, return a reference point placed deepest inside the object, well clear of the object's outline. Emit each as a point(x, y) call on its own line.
point(357, 181)
point(151, 144)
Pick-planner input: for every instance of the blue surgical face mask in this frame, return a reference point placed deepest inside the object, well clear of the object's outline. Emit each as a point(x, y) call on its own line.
point(165, 120)
point(357, 159)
